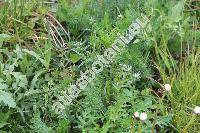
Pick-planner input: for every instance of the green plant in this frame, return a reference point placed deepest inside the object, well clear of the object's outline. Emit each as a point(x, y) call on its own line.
point(42, 54)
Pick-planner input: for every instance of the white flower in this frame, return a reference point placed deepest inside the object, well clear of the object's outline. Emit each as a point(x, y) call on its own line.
point(197, 110)
point(143, 116)
point(92, 20)
point(119, 16)
point(136, 114)
point(137, 75)
point(167, 87)
point(126, 68)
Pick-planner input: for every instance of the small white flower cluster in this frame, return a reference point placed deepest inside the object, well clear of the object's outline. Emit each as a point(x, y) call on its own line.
point(92, 20)
point(137, 75)
point(120, 16)
point(125, 67)
point(77, 43)
point(128, 69)
point(167, 87)
point(197, 110)
point(142, 116)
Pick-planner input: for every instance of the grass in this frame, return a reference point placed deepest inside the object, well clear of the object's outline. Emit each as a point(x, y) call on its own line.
point(185, 94)
point(43, 52)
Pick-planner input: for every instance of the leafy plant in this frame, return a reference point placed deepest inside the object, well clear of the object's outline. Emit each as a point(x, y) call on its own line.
point(43, 52)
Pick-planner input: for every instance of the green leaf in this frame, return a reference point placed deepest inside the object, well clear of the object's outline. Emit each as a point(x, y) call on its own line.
point(63, 125)
point(128, 92)
point(3, 118)
point(21, 79)
point(4, 37)
point(3, 124)
point(38, 125)
point(3, 86)
point(74, 57)
point(32, 22)
point(35, 55)
point(35, 78)
point(7, 99)
point(175, 13)
point(47, 53)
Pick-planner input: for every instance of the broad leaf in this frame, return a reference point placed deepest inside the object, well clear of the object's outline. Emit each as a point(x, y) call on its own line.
point(175, 13)
point(7, 99)
point(4, 37)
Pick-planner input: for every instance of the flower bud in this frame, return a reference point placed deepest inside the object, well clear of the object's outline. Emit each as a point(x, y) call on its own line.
point(136, 115)
point(143, 116)
point(167, 87)
point(197, 110)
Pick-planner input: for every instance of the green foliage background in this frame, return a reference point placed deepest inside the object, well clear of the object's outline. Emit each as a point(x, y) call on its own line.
point(34, 69)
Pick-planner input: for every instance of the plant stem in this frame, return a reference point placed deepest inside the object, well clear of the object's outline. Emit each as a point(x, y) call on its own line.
point(132, 125)
point(189, 123)
point(140, 127)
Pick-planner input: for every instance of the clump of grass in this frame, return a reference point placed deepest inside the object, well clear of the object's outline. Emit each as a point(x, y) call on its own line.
point(185, 93)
